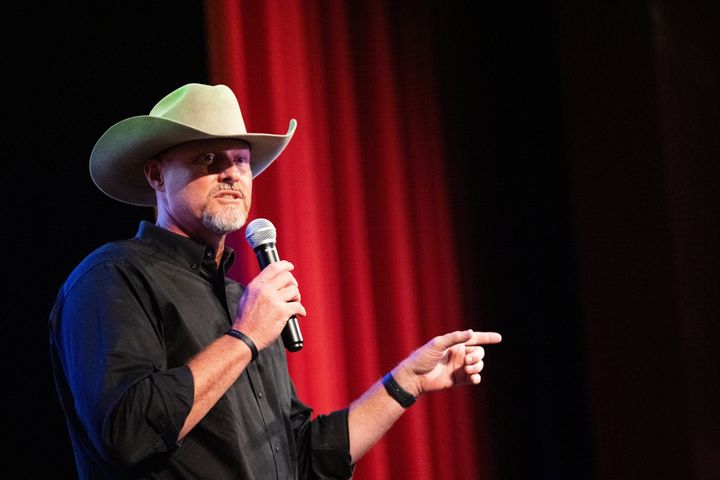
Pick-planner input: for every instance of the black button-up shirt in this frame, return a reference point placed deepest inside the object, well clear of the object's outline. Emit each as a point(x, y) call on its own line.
point(124, 325)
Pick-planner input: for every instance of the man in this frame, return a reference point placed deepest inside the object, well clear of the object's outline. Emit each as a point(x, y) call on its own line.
point(166, 368)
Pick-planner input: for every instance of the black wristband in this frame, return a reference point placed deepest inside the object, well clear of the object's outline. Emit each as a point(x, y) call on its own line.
point(251, 345)
point(396, 391)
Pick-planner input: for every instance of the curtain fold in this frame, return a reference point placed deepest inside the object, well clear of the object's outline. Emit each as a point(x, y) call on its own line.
point(360, 204)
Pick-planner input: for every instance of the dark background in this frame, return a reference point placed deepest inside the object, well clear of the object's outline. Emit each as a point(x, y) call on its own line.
point(582, 143)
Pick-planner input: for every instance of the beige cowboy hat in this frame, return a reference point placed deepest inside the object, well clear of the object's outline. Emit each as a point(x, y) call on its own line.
point(192, 112)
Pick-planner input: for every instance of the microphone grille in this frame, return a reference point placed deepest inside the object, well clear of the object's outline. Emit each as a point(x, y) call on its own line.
point(259, 232)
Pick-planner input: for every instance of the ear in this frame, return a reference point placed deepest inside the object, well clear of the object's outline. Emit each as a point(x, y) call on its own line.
point(153, 174)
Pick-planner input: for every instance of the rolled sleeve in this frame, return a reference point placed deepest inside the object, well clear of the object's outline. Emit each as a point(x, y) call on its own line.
point(323, 443)
point(331, 452)
point(148, 419)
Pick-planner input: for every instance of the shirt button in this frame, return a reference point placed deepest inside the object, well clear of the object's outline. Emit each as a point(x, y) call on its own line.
point(260, 394)
point(277, 448)
point(194, 266)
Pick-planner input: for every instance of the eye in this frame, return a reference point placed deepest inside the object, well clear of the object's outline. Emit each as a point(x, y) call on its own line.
point(242, 160)
point(206, 158)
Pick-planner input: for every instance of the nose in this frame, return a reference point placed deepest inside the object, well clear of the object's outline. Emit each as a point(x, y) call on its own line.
point(230, 172)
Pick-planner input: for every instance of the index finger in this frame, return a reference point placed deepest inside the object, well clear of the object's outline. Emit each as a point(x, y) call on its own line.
point(467, 337)
point(484, 338)
point(276, 268)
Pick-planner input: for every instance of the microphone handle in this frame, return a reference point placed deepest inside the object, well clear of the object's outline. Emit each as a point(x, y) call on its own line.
point(266, 254)
point(291, 336)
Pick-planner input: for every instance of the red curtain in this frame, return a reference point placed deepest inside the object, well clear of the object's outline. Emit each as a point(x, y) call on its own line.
point(360, 205)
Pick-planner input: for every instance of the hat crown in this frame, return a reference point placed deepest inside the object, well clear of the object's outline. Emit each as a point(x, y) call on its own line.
point(210, 108)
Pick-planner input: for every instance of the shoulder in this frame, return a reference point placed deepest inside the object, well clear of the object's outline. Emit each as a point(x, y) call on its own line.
point(117, 256)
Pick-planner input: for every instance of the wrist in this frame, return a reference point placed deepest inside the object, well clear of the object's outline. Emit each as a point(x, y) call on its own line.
point(407, 380)
point(245, 339)
point(396, 392)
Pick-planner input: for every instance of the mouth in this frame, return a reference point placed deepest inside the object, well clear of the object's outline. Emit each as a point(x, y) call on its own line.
point(228, 195)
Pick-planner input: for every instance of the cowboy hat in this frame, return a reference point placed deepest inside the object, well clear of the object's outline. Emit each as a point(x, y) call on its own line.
point(192, 112)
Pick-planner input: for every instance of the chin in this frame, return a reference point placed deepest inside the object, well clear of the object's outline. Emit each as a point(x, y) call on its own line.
point(224, 222)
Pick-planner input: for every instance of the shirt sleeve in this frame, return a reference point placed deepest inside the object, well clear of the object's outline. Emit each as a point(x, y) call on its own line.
point(323, 443)
point(111, 346)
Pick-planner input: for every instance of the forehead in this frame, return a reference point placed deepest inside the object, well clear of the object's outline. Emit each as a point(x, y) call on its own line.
point(213, 145)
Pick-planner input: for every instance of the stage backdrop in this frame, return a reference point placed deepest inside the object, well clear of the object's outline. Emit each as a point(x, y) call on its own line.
point(360, 204)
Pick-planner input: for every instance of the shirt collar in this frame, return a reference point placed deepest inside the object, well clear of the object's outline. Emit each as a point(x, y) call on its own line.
point(185, 250)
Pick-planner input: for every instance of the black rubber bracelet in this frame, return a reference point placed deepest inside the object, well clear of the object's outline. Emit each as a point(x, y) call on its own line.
point(396, 391)
point(248, 341)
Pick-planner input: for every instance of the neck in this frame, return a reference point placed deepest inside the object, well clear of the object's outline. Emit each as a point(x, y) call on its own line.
point(200, 235)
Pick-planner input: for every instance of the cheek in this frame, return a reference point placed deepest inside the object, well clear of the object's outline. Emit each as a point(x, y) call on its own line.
point(183, 190)
point(248, 190)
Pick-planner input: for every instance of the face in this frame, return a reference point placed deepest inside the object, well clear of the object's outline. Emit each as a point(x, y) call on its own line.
point(204, 186)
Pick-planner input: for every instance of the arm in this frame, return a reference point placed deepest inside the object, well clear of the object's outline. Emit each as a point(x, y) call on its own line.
point(269, 300)
point(445, 361)
point(120, 392)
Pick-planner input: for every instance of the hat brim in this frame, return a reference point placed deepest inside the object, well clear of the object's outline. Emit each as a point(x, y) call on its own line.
point(117, 160)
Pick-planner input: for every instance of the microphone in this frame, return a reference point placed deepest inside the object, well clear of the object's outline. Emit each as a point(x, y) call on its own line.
point(261, 235)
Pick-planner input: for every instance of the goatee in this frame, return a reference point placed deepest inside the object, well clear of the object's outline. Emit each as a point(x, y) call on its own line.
point(223, 222)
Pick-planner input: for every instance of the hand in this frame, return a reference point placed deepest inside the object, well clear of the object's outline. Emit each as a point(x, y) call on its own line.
point(448, 360)
point(269, 300)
